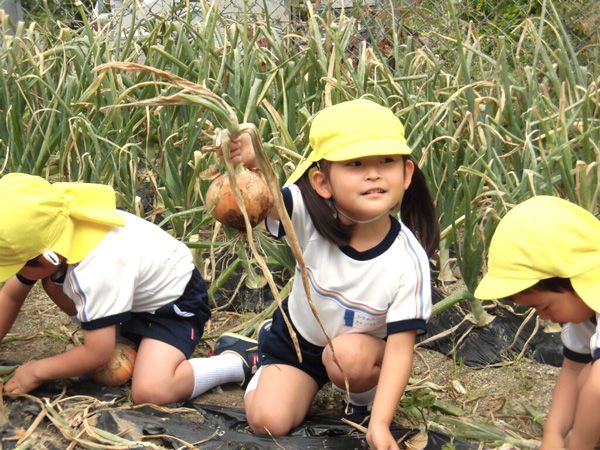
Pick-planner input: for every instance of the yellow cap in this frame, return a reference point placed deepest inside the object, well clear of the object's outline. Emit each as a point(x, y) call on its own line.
point(353, 129)
point(544, 237)
point(68, 218)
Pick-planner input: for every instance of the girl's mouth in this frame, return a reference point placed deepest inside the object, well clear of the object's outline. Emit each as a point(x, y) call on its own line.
point(373, 191)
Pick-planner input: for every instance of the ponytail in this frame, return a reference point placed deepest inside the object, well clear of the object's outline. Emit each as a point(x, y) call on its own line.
point(418, 212)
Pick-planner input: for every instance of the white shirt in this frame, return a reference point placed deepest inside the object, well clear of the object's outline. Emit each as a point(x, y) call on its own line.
point(380, 291)
point(135, 268)
point(582, 340)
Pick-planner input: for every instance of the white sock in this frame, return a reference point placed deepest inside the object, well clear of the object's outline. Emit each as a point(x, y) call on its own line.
point(360, 398)
point(215, 371)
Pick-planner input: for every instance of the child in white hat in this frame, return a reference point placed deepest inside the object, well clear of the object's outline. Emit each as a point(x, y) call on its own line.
point(369, 274)
point(545, 254)
point(108, 269)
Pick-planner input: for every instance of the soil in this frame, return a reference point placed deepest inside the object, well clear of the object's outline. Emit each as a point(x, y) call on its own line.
point(513, 398)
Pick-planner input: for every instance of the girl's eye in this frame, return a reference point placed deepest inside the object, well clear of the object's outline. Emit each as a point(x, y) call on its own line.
point(354, 164)
point(387, 160)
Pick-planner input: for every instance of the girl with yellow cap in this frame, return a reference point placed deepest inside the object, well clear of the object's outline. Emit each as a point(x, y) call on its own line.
point(110, 270)
point(545, 254)
point(369, 274)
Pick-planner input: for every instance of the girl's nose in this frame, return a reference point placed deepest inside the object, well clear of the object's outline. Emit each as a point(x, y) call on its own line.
point(372, 174)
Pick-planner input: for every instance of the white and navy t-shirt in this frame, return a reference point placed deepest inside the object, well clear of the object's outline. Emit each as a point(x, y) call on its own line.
point(380, 291)
point(135, 268)
point(582, 340)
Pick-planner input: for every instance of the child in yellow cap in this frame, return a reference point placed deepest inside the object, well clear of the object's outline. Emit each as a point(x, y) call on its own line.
point(109, 269)
point(545, 254)
point(369, 274)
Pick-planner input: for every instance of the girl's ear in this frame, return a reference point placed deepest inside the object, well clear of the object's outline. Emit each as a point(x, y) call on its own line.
point(320, 184)
point(409, 169)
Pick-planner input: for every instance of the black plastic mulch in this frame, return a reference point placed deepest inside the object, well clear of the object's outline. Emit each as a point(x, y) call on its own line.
point(213, 427)
point(490, 344)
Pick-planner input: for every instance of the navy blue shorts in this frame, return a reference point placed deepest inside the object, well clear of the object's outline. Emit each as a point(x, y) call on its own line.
point(179, 323)
point(278, 348)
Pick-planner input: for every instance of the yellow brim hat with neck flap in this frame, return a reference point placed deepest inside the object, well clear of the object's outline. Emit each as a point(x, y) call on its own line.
point(544, 237)
point(70, 219)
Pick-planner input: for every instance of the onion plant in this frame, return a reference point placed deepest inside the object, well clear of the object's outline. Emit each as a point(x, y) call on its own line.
point(490, 125)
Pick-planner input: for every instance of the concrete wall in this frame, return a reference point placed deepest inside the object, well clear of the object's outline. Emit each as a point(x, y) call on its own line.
point(278, 11)
point(13, 9)
point(277, 8)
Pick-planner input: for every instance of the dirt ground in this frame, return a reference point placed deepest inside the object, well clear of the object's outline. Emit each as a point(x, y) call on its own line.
point(513, 398)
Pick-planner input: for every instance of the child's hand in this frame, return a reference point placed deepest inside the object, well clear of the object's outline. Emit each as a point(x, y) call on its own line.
point(380, 438)
point(23, 380)
point(241, 151)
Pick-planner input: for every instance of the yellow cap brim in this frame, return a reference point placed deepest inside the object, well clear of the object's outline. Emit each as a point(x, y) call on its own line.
point(8, 271)
point(491, 288)
point(369, 147)
point(296, 174)
point(360, 149)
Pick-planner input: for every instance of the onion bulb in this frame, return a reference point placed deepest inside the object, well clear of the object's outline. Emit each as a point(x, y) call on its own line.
point(119, 369)
point(221, 202)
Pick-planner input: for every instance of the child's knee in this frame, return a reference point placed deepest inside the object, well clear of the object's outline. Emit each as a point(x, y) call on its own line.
point(356, 355)
point(148, 392)
point(274, 422)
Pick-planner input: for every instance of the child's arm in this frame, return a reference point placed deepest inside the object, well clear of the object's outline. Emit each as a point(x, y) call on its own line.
point(12, 296)
point(586, 428)
point(57, 295)
point(97, 350)
point(395, 371)
point(564, 404)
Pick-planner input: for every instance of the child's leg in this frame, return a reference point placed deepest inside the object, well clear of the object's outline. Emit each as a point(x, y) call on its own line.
point(215, 371)
point(281, 399)
point(161, 374)
point(360, 356)
point(235, 360)
point(173, 378)
point(169, 336)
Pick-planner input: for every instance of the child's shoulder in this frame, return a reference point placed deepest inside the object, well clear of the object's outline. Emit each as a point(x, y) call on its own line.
point(410, 244)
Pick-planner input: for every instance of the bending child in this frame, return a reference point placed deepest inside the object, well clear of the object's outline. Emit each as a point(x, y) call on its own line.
point(545, 254)
point(369, 274)
point(108, 269)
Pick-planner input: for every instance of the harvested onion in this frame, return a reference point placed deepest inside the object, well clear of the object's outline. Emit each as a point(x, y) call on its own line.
point(221, 202)
point(119, 369)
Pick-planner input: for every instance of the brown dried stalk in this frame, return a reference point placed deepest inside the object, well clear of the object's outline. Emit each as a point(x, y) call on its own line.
point(272, 182)
point(226, 144)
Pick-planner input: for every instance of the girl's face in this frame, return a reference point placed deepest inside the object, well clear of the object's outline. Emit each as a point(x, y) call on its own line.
point(559, 307)
point(38, 272)
point(366, 187)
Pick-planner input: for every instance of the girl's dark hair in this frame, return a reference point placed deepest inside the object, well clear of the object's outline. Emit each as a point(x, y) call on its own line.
point(554, 284)
point(327, 225)
point(417, 211)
